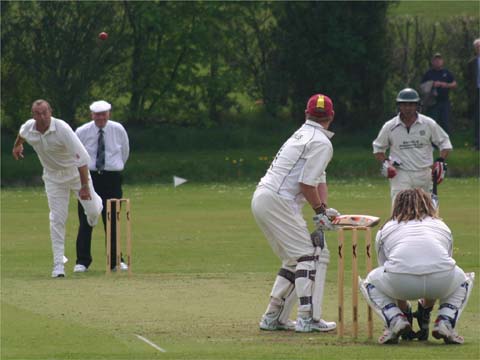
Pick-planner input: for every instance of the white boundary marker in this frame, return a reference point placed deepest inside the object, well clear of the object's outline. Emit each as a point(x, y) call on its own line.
point(150, 343)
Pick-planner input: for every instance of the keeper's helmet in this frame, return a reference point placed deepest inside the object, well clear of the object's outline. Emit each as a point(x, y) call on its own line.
point(408, 95)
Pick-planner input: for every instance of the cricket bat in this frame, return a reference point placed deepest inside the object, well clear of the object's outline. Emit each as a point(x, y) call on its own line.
point(356, 220)
point(435, 200)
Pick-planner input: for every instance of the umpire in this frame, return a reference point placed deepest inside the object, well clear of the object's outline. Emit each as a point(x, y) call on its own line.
point(107, 144)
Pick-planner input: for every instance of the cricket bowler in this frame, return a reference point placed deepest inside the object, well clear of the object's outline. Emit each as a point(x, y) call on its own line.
point(65, 169)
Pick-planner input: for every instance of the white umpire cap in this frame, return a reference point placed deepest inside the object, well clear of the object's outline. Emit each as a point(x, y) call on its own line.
point(100, 106)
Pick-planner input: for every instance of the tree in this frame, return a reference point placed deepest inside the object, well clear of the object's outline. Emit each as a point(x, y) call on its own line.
point(338, 48)
point(50, 50)
point(160, 34)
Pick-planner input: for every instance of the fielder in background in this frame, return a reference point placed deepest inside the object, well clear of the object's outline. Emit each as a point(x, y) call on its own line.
point(414, 251)
point(297, 175)
point(442, 81)
point(65, 169)
point(107, 144)
point(473, 91)
point(409, 137)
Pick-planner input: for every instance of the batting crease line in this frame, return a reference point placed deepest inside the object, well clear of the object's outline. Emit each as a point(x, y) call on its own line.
point(150, 343)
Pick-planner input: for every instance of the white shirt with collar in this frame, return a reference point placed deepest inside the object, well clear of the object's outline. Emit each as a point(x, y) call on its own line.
point(415, 247)
point(413, 147)
point(303, 158)
point(117, 148)
point(58, 149)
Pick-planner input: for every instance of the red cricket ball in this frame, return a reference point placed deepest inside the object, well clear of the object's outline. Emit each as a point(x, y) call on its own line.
point(103, 35)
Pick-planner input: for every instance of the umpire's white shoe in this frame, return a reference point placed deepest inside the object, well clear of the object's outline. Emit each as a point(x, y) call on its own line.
point(79, 268)
point(398, 326)
point(443, 330)
point(123, 266)
point(58, 271)
point(306, 325)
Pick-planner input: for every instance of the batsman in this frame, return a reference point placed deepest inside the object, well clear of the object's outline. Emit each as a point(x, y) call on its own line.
point(295, 177)
point(410, 138)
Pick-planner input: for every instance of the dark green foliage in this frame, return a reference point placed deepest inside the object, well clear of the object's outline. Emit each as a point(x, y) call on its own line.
point(217, 64)
point(50, 50)
point(335, 48)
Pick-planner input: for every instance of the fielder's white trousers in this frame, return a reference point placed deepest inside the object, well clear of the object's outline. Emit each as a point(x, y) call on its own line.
point(397, 286)
point(405, 180)
point(58, 186)
point(283, 225)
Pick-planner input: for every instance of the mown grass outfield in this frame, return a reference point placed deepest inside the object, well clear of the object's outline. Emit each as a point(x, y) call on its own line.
point(202, 275)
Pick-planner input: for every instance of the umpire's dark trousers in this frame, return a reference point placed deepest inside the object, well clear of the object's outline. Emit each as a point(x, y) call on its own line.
point(108, 185)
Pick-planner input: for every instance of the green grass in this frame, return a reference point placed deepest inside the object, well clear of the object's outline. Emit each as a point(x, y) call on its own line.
point(230, 165)
point(202, 275)
point(435, 10)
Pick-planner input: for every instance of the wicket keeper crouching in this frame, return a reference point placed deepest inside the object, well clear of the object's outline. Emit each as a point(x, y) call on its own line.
point(297, 175)
point(414, 252)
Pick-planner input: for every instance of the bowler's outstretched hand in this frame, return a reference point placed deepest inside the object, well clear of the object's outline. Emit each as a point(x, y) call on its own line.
point(18, 152)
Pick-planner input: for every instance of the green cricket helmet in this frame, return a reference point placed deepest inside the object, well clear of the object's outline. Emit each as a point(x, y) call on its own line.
point(408, 95)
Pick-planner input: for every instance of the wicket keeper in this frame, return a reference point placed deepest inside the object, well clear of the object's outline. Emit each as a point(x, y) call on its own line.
point(414, 251)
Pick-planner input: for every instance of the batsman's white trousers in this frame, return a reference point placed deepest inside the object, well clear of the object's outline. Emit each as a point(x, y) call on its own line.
point(405, 180)
point(283, 225)
point(409, 287)
point(58, 185)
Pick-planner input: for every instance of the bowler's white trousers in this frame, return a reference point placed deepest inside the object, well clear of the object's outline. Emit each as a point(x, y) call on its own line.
point(58, 185)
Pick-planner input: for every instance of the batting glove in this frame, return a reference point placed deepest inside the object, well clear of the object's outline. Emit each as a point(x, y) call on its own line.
point(323, 221)
point(388, 170)
point(439, 169)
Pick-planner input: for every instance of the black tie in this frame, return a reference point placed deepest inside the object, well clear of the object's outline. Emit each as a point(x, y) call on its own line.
point(100, 163)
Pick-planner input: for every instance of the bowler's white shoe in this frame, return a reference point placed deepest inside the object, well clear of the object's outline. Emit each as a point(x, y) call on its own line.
point(58, 271)
point(398, 326)
point(309, 325)
point(123, 266)
point(79, 268)
point(443, 330)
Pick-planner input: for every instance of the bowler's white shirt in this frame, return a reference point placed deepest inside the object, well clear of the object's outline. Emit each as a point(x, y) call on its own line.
point(303, 158)
point(412, 147)
point(58, 149)
point(415, 247)
point(117, 147)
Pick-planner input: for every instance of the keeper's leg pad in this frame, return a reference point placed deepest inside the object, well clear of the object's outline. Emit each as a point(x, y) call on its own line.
point(304, 278)
point(453, 305)
point(319, 284)
point(383, 305)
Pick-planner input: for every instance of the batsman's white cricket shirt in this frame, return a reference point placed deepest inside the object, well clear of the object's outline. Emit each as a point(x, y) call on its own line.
point(412, 147)
point(415, 247)
point(117, 147)
point(303, 158)
point(58, 149)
